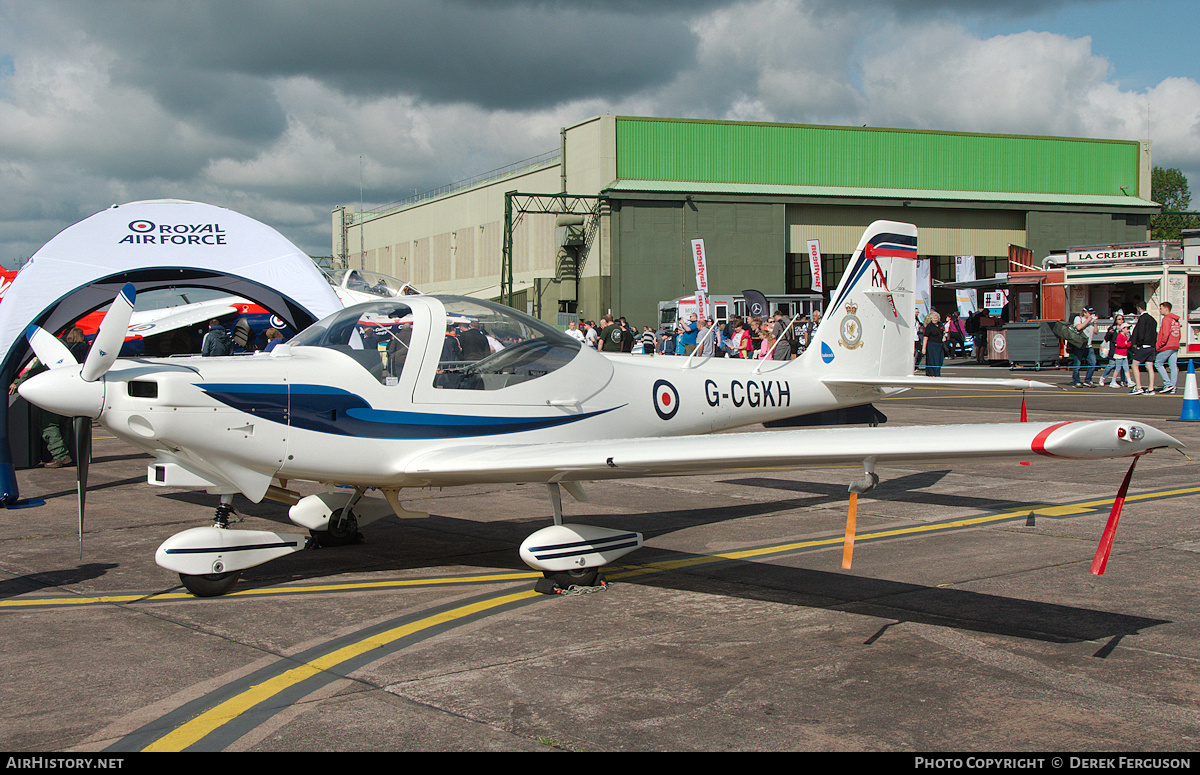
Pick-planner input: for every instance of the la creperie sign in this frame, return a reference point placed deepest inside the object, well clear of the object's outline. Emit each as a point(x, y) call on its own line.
point(1136, 253)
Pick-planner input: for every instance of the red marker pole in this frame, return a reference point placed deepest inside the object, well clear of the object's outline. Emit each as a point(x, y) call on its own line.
point(1024, 418)
point(1110, 530)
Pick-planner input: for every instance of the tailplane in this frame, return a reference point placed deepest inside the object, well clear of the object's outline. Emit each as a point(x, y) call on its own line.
point(867, 335)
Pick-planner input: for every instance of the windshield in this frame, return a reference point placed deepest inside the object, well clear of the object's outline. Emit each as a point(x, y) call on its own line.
point(376, 335)
point(488, 346)
point(364, 281)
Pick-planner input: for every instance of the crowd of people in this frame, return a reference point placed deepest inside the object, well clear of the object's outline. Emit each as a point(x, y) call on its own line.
point(1132, 342)
point(776, 338)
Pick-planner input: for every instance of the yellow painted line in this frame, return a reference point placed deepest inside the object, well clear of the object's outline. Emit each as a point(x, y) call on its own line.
point(196, 729)
point(68, 601)
point(286, 590)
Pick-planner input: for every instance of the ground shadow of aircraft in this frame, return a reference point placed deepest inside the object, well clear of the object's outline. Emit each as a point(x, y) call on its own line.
point(64, 577)
point(443, 541)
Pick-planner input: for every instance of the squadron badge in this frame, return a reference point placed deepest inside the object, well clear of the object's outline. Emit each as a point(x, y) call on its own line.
point(851, 329)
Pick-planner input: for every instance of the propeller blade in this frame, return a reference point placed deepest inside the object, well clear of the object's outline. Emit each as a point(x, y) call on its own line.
point(48, 348)
point(107, 345)
point(83, 457)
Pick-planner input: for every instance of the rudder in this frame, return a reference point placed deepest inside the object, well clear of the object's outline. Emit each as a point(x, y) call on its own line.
point(867, 330)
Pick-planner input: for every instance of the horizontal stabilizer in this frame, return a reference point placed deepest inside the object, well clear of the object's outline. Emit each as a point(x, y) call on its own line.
point(919, 381)
point(863, 414)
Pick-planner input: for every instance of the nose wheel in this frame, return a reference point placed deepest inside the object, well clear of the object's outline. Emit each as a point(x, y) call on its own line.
point(343, 529)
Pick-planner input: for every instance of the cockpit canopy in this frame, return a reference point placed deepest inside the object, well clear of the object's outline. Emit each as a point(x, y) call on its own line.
point(372, 283)
point(483, 345)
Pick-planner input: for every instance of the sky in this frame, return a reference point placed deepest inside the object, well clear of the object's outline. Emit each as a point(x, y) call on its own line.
point(282, 110)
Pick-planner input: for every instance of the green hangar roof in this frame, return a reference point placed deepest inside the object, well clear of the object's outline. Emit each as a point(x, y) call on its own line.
point(823, 160)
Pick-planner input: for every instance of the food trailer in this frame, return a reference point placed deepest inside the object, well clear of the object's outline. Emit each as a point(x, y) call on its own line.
point(1110, 278)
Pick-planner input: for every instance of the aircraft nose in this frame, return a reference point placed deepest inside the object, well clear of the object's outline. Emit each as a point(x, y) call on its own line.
point(62, 391)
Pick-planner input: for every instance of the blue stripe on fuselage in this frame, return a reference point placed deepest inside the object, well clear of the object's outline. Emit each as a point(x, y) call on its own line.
point(332, 410)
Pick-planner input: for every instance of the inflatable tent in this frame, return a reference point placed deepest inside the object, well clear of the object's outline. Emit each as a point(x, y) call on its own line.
point(153, 244)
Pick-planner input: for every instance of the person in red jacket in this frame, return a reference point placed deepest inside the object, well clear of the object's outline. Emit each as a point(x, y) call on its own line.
point(1166, 362)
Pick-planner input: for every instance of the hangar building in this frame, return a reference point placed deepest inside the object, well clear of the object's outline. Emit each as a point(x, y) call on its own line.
point(604, 222)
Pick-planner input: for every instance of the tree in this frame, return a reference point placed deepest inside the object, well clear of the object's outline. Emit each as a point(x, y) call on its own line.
point(1169, 187)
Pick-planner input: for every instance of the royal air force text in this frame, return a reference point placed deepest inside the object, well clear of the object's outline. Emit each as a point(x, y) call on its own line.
point(752, 392)
point(178, 234)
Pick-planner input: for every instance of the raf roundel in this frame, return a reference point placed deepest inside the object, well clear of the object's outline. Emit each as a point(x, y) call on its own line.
point(141, 226)
point(666, 399)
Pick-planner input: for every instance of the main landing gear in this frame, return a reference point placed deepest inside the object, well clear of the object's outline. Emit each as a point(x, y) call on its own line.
point(570, 556)
point(570, 581)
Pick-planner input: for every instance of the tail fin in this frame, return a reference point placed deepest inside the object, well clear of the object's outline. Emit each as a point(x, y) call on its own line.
point(867, 330)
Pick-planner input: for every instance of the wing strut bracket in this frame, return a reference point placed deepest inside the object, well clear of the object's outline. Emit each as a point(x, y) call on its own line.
point(555, 501)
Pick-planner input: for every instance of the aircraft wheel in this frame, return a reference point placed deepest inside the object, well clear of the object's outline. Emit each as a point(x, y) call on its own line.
point(210, 584)
point(342, 531)
point(552, 580)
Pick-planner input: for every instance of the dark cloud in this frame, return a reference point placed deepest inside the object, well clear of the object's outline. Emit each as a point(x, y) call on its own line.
point(236, 105)
point(508, 55)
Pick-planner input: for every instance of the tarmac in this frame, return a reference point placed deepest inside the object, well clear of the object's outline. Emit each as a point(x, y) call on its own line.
point(969, 620)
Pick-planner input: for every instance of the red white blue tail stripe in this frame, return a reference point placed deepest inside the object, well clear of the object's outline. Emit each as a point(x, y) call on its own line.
point(866, 261)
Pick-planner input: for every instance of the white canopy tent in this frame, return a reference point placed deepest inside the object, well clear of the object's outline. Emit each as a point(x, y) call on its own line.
point(155, 244)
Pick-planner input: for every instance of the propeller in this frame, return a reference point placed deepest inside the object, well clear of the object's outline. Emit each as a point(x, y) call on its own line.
point(48, 348)
point(107, 344)
point(83, 458)
point(100, 358)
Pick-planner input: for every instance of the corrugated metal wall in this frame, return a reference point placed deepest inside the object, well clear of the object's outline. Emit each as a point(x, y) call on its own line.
point(939, 232)
point(684, 150)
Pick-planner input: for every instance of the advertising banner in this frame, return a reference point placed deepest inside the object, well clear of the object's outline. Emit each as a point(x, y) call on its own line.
point(701, 266)
point(814, 265)
point(756, 304)
point(967, 298)
point(924, 293)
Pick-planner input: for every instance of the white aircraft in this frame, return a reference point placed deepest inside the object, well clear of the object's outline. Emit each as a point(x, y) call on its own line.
point(410, 392)
point(150, 331)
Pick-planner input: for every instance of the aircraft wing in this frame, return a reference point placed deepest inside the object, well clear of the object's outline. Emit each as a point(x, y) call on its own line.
point(765, 450)
point(153, 322)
